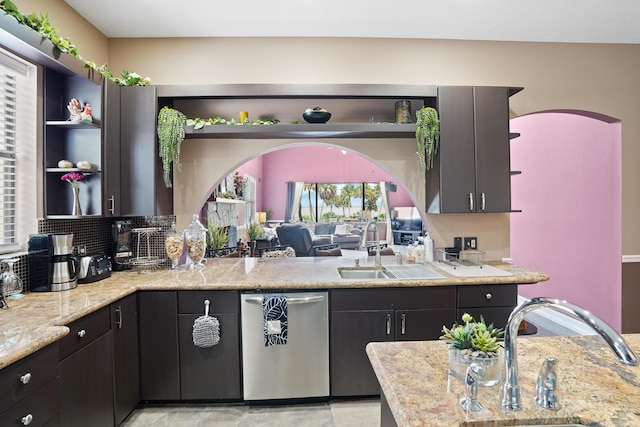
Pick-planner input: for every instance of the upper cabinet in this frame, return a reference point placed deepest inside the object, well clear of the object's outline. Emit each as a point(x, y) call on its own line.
point(73, 141)
point(471, 172)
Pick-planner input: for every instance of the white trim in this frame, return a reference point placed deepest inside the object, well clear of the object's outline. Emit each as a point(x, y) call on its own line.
point(630, 258)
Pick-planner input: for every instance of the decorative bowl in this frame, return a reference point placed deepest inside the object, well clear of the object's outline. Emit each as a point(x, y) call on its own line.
point(316, 115)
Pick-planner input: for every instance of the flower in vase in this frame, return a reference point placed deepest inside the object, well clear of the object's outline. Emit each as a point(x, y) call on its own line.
point(73, 178)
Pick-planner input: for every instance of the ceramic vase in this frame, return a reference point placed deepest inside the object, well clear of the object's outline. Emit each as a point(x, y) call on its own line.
point(460, 360)
point(77, 210)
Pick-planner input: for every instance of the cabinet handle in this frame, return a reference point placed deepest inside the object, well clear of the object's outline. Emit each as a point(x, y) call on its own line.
point(82, 333)
point(488, 296)
point(25, 378)
point(388, 324)
point(119, 317)
point(26, 420)
point(471, 202)
point(112, 202)
point(403, 321)
point(482, 201)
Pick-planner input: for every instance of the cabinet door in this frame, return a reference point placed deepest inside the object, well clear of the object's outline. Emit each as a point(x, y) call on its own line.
point(454, 178)
point(111, 149)
point(86, 385)
point(493, 180)
point(351, 331)
point(142, 188)
point(124, 326)
point(159, 358)
point(213, 372)
point(422, 325)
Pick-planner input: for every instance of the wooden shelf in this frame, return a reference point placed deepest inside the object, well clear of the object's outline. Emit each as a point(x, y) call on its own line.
point(66, 170)
point(73, 125)
point(319, 130)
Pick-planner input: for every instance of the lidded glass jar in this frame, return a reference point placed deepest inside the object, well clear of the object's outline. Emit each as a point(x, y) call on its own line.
point(196, 238)
point(174, 245)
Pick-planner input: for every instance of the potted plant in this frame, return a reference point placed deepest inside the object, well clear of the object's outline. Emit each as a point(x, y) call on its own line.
point(427, 136)
point(170, 135)
point(475, 342)
point(217, 238)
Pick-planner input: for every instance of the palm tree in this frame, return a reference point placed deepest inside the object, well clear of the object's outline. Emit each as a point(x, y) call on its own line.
point(351, 190)
point(327, 192)
point(309, 187)
point(371, 196)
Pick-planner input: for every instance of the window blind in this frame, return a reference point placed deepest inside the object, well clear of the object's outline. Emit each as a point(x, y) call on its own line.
point(8, 107)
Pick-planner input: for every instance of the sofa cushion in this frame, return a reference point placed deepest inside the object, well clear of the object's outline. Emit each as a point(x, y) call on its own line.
point(324, 228)
point(328, 252)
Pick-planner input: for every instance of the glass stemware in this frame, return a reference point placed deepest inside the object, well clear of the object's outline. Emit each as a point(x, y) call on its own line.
point(11, 283)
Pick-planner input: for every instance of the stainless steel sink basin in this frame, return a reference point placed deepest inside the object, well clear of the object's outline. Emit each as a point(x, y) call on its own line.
point(363, 273)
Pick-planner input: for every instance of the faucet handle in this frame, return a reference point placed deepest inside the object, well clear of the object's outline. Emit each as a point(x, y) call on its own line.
point(470, 402)
point(546, 385)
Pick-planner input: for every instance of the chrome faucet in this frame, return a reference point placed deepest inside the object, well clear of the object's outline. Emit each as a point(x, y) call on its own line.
point(510, 398)
point(546, 385)
point(377, 240)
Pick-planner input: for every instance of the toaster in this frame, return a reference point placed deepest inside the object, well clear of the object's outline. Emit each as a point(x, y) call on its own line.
point(93, 268)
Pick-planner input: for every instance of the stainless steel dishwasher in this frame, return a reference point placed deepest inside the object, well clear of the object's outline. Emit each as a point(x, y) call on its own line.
point(300, 367)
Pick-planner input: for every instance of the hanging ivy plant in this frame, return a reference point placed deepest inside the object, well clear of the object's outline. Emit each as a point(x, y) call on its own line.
point(170, 135)
point(427, 136)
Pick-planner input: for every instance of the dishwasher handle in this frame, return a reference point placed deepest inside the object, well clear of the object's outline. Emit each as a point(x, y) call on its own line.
point(290, 301)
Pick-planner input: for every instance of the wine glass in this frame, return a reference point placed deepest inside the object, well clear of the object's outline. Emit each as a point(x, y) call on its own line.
point(11, 283)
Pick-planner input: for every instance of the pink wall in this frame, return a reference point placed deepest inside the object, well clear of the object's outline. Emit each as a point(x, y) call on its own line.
point(570, 196)
point(318, 163)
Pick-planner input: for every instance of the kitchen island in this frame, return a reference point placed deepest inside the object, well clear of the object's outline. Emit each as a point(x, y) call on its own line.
point(38, 319)
point(593, 387)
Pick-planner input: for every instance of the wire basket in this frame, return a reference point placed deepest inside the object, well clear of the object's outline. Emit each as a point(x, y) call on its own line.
point(455, 258)
point(144, 256)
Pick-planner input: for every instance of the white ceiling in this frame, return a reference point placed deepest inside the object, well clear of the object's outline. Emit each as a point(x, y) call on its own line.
point(581, 21)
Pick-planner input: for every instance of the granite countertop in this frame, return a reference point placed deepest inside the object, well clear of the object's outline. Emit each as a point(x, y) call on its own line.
point(38, 319)
point(593, 387)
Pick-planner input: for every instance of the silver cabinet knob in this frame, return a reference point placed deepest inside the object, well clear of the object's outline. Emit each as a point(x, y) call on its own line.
point(25, 378)
point(488, 296)
point(26, 420)
point(82, 333)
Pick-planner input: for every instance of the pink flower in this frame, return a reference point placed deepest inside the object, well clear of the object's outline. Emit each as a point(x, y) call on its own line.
point(73, 178)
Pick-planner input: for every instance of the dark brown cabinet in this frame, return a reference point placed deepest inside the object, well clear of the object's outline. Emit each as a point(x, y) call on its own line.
point(472, 169)
point(142, 189)
point(211, 373)
point(86, 372)
point(111, 149)
point(29, 390)
point(360, 316)
point(126, 371)
point(158, 337)
point(493, 302)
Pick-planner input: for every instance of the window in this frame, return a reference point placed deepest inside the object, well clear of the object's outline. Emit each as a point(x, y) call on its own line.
point(343, 201)
point(18, 121)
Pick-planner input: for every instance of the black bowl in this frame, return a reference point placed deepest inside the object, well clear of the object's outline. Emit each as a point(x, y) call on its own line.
point(316, 116)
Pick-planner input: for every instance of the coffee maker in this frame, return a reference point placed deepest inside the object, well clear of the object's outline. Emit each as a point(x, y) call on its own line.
point(52, 266)
point(122, 254)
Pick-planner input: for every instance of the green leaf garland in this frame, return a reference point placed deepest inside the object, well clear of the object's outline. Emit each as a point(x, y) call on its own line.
point(427, 136)
point(170, 135)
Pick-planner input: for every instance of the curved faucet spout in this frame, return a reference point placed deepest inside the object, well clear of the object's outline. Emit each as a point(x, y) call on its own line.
point(510, 398)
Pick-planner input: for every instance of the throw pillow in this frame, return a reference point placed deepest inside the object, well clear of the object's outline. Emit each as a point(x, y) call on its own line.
point(341, 229)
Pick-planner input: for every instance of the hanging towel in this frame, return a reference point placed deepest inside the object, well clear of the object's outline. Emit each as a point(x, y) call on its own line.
point(274, 316)
point(206, 329)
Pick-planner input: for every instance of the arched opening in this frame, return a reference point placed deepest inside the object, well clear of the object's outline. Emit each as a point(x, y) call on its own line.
point(570, 194)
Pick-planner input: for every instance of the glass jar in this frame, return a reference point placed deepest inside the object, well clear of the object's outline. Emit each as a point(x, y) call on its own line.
point(174, 245)
point(403, 111)
point(196, 238)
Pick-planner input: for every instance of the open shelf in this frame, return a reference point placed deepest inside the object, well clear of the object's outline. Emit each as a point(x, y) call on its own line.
point(73, 125)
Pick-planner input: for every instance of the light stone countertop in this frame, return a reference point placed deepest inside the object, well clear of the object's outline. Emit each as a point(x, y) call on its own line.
point(38, 319)
point(593, 387)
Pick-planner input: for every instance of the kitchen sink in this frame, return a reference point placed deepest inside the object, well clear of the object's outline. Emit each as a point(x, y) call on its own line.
point(408, 271)
point(363, 273)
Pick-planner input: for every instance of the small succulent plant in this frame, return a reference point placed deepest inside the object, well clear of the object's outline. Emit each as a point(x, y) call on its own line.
point(473, 335)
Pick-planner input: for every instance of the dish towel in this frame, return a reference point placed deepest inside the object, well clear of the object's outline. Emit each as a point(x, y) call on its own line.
point(274, 316)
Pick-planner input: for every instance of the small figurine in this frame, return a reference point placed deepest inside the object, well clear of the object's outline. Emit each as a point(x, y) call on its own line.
point(86, 114)
point(75, 109)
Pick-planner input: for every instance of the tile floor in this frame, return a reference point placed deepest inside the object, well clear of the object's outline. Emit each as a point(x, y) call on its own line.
point(348, 413)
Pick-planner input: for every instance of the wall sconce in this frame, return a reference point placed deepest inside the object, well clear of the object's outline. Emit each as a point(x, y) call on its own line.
point(261, 217)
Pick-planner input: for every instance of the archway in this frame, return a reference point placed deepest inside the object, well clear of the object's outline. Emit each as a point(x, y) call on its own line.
point(570, 196)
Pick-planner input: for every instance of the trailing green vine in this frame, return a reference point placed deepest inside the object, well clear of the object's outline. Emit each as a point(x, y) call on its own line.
point(42, 25)
point(170, 135)
point(427, 136)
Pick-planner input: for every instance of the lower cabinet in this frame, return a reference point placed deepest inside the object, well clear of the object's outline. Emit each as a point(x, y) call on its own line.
point(210, 373)
point(86, 372)
point(159, 358)
point(361, 316)
point(29, 390)
point(126, 370)
point(493, 302)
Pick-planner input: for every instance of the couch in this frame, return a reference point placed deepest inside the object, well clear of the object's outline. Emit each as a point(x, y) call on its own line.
point(300, 239)
point(347, 236)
